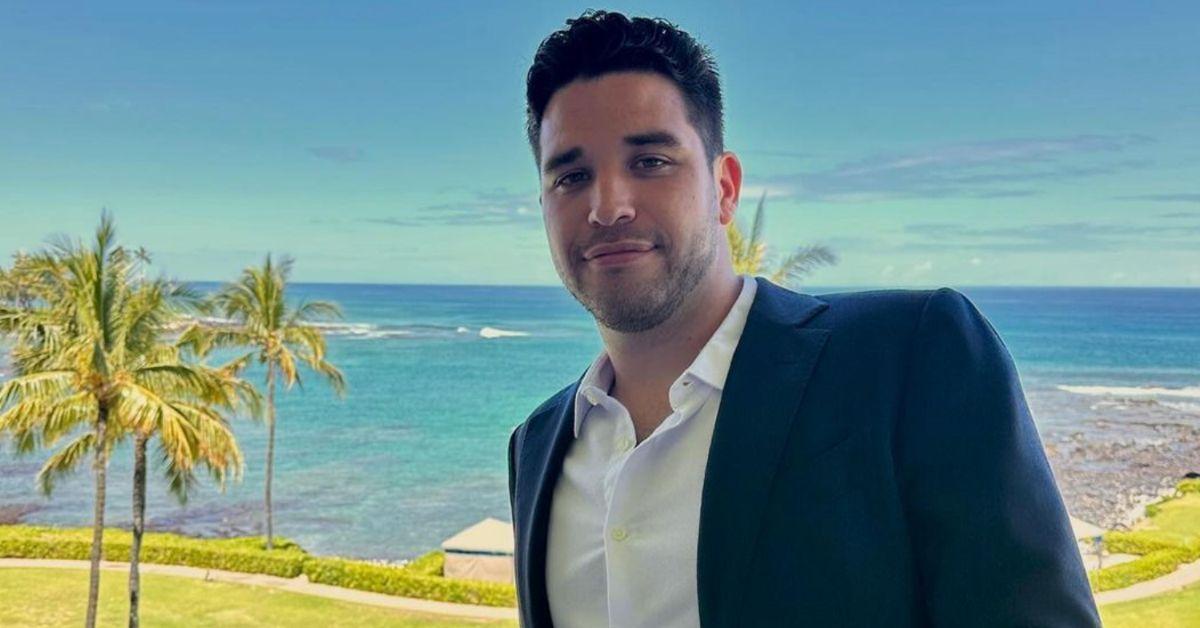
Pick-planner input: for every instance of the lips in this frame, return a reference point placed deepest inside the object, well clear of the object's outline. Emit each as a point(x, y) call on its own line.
point(628, 249)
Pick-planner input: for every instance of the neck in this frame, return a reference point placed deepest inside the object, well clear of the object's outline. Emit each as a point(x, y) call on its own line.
point(646, 363)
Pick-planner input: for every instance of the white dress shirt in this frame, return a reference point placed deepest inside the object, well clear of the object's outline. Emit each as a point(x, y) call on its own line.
point(625, 519)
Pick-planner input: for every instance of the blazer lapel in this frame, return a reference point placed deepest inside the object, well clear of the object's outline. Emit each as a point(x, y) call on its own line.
point(767, 378)
point(540, 461)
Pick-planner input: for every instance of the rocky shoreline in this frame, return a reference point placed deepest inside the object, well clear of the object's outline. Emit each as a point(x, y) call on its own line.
point(1110, 466)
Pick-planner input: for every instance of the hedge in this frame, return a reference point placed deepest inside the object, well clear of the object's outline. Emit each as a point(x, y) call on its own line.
point(247, 554)
point(1139, 542)
point(407, 583)
point(430, 564)
point(1157, 563)
point(420, 578)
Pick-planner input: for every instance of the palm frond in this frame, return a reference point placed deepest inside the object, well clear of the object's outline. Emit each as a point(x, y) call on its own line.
point(42, 385)
point(802, 263)
point(64, 462)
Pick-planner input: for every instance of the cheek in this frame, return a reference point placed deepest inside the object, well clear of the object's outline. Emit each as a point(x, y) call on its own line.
point(558, 231)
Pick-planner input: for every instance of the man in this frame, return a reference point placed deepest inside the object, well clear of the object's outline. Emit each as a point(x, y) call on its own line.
point(740, 454)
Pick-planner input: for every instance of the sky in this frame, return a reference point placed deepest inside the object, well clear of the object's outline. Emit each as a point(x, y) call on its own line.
point(938, 143)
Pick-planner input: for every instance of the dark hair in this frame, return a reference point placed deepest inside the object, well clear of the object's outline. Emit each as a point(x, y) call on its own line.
point(599, 42)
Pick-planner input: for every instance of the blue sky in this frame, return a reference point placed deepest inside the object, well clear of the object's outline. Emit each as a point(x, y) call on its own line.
point(929, 144)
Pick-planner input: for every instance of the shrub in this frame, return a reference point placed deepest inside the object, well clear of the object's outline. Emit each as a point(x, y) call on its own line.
point(245, 554)
point(1136, 542)
point(420, 578)
point(1189, 486)
point(430, 564)
point(1157, 563)
point(406, 583)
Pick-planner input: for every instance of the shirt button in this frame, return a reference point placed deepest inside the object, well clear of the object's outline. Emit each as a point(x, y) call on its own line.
point(624, 444)
point(591, 397)
point(619, 534)
point(687, 382)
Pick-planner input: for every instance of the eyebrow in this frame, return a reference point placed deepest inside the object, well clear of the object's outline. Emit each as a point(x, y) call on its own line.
point(661, 138)
point(562, 159)
point(650, 138)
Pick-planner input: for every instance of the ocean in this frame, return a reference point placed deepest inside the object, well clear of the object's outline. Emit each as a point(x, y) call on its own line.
point(439, 376)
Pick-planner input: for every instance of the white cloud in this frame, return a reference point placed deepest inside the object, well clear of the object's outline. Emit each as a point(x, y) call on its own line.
point(751, 193)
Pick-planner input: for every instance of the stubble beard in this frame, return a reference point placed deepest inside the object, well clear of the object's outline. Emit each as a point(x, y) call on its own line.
point(624, 306)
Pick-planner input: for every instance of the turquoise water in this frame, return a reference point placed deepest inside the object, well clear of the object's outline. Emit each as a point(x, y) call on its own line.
point(438, 377)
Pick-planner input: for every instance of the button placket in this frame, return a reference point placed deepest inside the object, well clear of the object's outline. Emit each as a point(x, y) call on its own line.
point(622, 455)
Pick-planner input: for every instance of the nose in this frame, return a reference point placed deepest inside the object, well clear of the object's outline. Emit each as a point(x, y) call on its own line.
point(611, 203)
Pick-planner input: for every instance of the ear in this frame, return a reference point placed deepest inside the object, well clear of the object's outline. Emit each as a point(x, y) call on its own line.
point(727, 173)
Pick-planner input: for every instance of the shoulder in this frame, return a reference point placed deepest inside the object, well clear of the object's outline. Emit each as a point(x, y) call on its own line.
point(876, 320)
point(890, 308)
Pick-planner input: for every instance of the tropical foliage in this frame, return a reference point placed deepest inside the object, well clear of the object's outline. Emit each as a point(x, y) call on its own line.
point(750, 256)
point(92, 367)
point(257, 314)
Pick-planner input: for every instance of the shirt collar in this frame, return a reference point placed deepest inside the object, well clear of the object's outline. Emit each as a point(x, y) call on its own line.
point(710, 366)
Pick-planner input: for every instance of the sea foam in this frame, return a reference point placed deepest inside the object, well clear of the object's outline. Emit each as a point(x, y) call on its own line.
point(1189, 392)
point(492, 332)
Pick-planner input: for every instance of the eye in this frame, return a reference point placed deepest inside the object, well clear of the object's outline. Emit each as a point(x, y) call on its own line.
point(650, 163)
point(570, 178)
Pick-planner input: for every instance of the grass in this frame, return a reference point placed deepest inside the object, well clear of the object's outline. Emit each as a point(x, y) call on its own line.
point(1176, 520)
point(1169, 610)
point(57, 597)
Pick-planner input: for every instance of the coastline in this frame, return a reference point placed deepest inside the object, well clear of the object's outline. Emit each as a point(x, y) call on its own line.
point(1107, 476)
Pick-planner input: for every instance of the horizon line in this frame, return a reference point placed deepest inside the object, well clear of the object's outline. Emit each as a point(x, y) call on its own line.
point(931, 286)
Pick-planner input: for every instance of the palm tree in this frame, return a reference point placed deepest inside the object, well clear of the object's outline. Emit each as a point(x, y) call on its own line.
point(282, 336)
point(188, 420)
point(74, 357)
point(90, 366)
point(749, 254)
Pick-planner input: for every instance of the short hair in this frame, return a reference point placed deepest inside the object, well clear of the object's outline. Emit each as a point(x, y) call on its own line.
point(600, 42)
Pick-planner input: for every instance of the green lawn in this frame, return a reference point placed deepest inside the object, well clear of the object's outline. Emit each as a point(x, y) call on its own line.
point(1177, 520)
point(58, 597)
point(1172, 610)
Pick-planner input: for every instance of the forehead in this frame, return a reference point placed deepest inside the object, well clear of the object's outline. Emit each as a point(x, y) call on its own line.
point(608, 107)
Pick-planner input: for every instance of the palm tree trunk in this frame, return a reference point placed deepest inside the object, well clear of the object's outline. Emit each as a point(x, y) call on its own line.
point(270, 451)
point(139, 519)
point(100, 465)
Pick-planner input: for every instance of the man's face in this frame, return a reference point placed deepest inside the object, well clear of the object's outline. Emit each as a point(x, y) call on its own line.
point(628, 196)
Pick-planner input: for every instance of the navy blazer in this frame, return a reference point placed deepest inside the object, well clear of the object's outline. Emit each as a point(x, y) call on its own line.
point(873, 463)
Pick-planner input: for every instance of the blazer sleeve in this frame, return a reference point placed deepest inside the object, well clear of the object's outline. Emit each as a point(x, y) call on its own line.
point(990, 534)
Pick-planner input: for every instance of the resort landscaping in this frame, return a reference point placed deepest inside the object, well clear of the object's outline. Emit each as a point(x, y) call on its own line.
point(1167, 538)
point(421, 578)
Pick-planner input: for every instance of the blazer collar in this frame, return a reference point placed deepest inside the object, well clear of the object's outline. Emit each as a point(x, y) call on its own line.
point(766, 379)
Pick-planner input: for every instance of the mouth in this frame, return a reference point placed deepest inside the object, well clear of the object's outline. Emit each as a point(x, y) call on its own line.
point(618, 251)
point(619, 258)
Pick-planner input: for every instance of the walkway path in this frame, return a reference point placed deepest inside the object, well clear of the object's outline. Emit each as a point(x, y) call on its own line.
point(299, 584)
